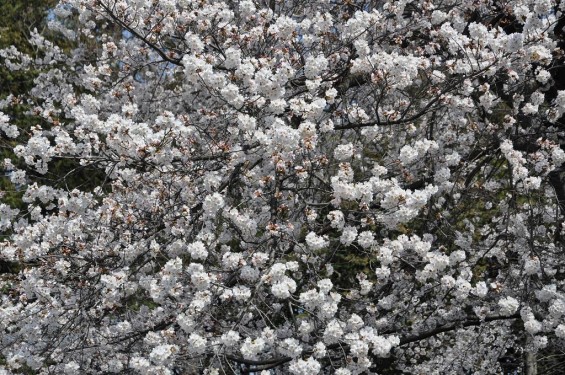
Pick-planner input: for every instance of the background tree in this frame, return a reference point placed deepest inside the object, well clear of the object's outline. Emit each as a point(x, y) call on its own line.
point(295, 187)
point(17, 20)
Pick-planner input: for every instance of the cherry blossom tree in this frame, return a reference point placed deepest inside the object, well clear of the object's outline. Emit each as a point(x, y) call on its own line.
point(287, 187)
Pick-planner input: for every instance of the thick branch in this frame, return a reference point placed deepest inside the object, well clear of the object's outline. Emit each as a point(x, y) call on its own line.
point(556, 182)
point(453, 326)
point(277, 361)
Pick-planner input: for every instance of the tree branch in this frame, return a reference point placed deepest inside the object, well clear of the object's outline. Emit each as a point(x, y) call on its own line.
point(453, 326)
point(277, 361)
point(140, 37)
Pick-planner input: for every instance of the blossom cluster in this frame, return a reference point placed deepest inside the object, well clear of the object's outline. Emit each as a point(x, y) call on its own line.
point(284, 187)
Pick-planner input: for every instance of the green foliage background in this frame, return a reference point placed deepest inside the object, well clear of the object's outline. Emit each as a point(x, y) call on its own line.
point(18, 18)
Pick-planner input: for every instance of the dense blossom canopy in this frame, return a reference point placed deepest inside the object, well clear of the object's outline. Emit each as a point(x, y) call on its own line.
point(286, 187)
